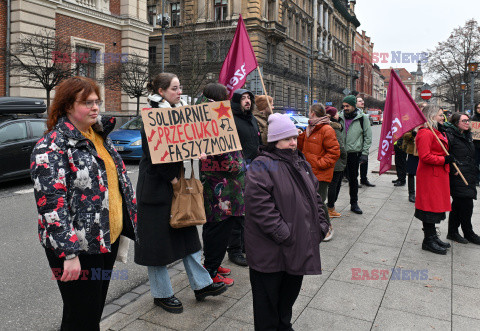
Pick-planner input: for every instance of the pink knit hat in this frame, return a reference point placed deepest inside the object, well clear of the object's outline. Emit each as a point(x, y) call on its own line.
point(280, 126)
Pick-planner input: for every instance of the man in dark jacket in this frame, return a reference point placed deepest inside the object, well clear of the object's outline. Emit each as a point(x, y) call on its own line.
point(242, 104)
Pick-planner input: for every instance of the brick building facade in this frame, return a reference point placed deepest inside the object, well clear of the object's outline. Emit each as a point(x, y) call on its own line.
point(303, 47)
point(362, 59)
point(104, 29)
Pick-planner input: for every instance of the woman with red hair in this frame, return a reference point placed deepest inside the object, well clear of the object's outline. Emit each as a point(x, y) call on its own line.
point(84, 199)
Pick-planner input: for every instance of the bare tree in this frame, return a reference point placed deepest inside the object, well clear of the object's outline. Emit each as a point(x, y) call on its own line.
point(447, 63)
point(131, 76)
point(201, 53)
point(41, 58)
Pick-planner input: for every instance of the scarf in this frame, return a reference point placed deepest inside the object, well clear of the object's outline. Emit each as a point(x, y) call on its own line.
point(315, 121)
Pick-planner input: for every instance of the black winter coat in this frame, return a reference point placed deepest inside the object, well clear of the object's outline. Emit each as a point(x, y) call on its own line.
point(247, 126)
point(461, 147)
point(158, 244)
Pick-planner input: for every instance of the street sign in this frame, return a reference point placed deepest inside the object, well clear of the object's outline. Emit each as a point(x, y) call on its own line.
point(315, 101)
point(306, 97)
point(426, 94)
point(346, 91)
point(329, 103)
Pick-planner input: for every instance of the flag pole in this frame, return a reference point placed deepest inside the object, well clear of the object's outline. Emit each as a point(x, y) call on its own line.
point(270, 107)
point(445, 150)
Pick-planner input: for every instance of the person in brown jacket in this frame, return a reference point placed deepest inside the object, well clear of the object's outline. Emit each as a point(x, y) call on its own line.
point(261, 112)
point(320, 146)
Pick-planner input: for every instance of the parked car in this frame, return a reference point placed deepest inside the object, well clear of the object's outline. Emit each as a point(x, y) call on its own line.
point(375, 116)
point(301, 122)
point(127, 139)
point(21, 126)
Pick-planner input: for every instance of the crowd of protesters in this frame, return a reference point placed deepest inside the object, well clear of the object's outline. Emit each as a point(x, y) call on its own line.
point(266, 206)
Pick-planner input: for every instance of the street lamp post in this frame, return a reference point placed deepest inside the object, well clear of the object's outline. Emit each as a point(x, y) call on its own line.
point(463, 86)
point(472, 68)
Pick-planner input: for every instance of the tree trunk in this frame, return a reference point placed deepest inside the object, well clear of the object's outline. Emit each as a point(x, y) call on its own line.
point(138, 104)
point(48, 101)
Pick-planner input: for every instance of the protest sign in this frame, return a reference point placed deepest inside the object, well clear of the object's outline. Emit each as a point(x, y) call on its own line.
point(182, 133)
point(475, 130)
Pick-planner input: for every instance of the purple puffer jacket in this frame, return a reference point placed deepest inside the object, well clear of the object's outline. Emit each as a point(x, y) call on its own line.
point(284, 222)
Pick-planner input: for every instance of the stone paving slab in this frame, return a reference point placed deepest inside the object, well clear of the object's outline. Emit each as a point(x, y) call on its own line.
point(314, 319)
point(389, 319)
point(354, 300)
point(422, 299)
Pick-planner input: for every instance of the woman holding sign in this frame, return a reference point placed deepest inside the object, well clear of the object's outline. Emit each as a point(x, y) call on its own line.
point(433, 187)
point(158, 243)
point(462, 148)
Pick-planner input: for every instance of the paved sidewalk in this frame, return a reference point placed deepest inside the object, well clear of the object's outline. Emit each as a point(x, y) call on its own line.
point(443, 295)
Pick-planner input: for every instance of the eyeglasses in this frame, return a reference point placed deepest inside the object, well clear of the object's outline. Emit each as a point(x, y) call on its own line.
point(89, 103)
point(176, 88)
point(465, 121)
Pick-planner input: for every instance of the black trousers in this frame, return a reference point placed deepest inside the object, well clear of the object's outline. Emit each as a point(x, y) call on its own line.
point(215, 237)
point(334, 188)
point(273, 297)
point(363, 172)
point(461, 214)
point(236, 245)
point(352, 168)
point(400, 163)
point(429, 229)
point(84, 299)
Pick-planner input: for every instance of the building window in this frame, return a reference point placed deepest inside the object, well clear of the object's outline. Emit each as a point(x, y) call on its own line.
point(297, 30)
point(174, 54)
point(271, 10)
point(221, 10)
point(152, 11)
point(152, 54)
point(175, 13)
point(289, 99)
point(89, 68)
point(271, 52)
point(290, 64)
point(297, 68)
point(303, 66)
point(217, 50)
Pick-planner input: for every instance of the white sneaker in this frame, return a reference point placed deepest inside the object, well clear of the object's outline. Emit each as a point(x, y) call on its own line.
point(329, 235)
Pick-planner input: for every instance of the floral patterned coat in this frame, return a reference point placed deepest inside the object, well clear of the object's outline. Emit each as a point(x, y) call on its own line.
point(71, 190)
point(223, 178)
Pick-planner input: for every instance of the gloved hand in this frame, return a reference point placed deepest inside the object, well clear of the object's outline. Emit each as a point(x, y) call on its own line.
point(449, 159)
point(363, 159)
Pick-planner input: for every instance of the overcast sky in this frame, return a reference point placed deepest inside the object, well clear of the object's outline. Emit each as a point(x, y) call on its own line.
point(411, 26)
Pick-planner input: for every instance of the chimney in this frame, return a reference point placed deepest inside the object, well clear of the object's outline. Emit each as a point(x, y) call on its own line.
point(352, 5)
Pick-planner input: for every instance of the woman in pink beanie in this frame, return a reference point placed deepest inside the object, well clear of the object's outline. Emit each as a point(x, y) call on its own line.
point(284, 225)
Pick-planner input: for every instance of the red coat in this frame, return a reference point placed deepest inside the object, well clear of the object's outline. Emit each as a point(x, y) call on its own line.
point(321, 149)
point(433, 185)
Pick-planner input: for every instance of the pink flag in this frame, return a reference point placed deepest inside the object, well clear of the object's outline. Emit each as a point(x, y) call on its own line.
point(240, 60)
point(400, 116)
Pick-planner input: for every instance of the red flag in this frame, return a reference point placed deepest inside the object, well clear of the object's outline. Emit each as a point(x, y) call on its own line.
point(400, 116)
point(240, 60)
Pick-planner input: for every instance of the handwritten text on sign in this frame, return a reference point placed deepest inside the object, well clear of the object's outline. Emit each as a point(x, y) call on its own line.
point(176, 134)
point(475, 130)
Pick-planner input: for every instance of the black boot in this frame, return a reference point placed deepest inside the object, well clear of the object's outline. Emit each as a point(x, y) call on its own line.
point(430, 244)
point(442, 243)
point(411, 188)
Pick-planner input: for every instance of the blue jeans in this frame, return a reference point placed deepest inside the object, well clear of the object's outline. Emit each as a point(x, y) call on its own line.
point(198, 276)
